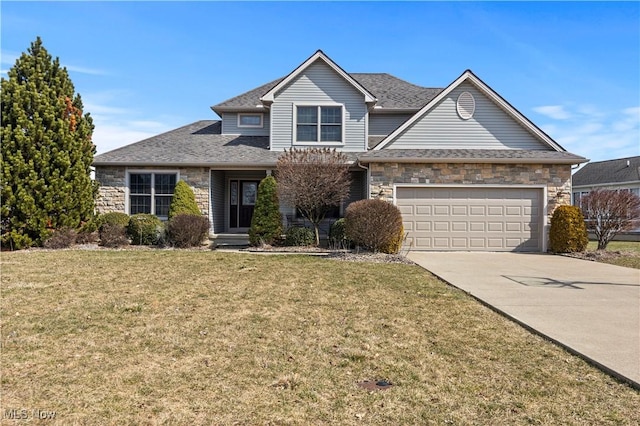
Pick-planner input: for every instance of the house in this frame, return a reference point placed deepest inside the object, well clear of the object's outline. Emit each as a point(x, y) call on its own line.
point(620, 173)
point(467, 170)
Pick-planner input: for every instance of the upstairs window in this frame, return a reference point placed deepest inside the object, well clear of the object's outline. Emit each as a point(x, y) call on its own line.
point(151, 193)
point(250, 120)
point(319, 124)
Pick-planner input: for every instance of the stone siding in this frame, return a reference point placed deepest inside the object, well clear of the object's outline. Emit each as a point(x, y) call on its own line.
point(557, 178)
point(112, 192)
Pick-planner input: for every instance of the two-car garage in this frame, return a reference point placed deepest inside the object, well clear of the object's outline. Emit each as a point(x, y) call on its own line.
point(481, 218)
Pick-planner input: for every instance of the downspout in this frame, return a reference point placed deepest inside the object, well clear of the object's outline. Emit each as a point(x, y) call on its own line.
point(368, 180)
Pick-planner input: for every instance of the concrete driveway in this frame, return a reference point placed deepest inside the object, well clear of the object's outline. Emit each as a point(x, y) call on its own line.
point(592, 309)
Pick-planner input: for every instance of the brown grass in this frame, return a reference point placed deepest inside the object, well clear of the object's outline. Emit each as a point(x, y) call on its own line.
point(199, 338)
point(621, 253)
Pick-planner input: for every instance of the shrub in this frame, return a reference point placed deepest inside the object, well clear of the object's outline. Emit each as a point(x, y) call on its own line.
point(337, 235)
point(183, 200)
point(88, 232)
point(187, 230)
point(299, 236)
point(64, 237)
point(266, 223)
point(568, 232)
point(145, 230)
point(113, 235)
point(375, 225)
point(113, 218)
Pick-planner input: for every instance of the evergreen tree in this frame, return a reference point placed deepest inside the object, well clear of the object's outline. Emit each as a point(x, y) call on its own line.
point(46, 151)
point(266, 223)
point(183, 200)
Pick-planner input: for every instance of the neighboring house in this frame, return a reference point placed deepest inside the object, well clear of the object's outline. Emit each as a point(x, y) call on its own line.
point(467, 170)
point(621, 173)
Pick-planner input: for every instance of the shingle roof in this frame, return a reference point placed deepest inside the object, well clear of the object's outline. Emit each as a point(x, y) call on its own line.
point(198, 144)
point(470, 155)
point(608, 172)
point(392, 93)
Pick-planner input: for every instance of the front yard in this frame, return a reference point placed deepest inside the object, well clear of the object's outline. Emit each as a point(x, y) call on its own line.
point(205, 337)
point(621, 253)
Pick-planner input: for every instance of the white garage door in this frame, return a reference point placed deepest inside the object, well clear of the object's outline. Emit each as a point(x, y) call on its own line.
point(482, 219)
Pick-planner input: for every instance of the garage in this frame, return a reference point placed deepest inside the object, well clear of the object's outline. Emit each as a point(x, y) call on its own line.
point(472, 219)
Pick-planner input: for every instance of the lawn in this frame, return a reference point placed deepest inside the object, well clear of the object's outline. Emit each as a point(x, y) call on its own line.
point(205, 337)
point(621, 253)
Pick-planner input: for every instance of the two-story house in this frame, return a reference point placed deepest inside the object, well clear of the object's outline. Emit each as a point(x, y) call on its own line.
point(467, 170)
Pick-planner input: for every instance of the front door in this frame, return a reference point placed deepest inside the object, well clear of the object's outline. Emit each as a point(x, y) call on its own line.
point(242, 202)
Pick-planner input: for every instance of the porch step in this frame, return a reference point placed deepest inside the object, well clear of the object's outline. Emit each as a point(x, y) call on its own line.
point(230, 240)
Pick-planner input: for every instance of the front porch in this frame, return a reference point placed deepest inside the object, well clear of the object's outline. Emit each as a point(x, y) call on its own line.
point(233, 196)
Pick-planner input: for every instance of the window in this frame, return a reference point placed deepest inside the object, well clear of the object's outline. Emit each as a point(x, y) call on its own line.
point(319, 124)
point(151, 193)
point(249, 120)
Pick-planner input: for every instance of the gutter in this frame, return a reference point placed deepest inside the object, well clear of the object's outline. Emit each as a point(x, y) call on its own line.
point(432, 160)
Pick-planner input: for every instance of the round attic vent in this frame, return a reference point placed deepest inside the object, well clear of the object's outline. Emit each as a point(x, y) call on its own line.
point(466, 105)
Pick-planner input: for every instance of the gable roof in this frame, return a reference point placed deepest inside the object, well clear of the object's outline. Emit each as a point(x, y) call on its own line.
point(469, 76)
point(617, 171)
point(268, 97)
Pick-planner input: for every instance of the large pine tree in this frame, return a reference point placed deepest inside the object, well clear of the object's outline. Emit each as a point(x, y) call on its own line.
point(46, 151)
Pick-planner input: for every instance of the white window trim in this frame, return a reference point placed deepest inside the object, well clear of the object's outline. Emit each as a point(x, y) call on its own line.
point(127, 190)
point(260, 126)
point(318, 142)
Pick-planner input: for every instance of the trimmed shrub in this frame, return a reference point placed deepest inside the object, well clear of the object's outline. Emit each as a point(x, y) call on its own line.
point(113, 218)
point(61, 238)
point(183, 200)
point(568, 232)
point(113, 235)
point(145, 230)
point(187, 230)
point(337, 235)
point(266, 223)
point(299, 236)
point(375, 225)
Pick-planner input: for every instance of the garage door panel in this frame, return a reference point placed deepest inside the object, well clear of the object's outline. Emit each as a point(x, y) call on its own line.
point(494, 219)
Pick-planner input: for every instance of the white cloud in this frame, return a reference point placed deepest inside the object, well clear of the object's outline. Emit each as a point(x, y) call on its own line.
point(117, 126)
point(593, 133)
point(557, 112)
point(85, 70)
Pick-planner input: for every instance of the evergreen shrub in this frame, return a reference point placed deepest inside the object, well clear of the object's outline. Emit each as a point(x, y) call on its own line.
point(113, 218)
point(568, 231)
point(183, 200)
point(375, 225)
point(337, 235)
point(299, 236)
point(145, 230)
point(266, 223)
point(187, 230)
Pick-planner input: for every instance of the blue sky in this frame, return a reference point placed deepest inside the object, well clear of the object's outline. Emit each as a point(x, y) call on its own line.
point(146, 67)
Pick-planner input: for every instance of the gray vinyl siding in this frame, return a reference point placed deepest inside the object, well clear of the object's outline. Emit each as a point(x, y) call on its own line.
point(489, 128)
point(384, 124)
point(317, 85)
point(357, 189)
point(230, 126)
point(218, 184)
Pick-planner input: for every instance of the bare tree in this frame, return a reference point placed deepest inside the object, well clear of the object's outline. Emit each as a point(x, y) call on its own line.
point(314, 181)
point(608, 212)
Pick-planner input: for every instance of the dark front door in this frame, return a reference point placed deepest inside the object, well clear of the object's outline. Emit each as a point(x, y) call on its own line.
point(243, 201)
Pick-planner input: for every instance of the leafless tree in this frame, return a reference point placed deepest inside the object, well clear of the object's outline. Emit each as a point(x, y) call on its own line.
point(608, 212)
point(314, 181)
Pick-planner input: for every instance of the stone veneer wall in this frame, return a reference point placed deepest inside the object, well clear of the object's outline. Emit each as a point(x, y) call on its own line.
point(112, 180)
point(556, 177)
